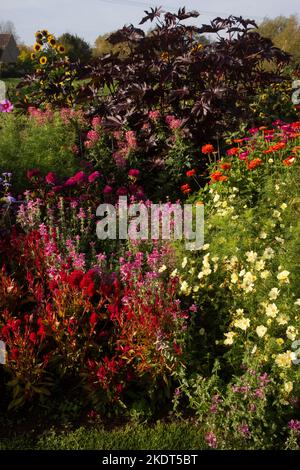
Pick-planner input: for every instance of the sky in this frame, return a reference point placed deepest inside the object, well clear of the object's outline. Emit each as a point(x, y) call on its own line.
point(89, 18)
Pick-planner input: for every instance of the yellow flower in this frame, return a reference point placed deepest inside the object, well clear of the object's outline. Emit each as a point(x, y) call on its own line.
point(43, 60)
point(45, 33)
point(284, 360)
point(283, 277)
point(279, 341)
point(38, 35)
point(33, 56)
point(165, 56)
point(51, 41)
point(288, 387)
point(61, 49)
point(37, 47)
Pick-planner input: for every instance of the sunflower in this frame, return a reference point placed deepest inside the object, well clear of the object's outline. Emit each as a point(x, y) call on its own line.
point(45, 33)
point(33, 56)
point(61, 49)
point(37, 47)
point(43, 60)
point(51, 41)
point(39, 35)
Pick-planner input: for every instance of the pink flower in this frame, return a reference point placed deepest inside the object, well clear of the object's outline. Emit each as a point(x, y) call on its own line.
point(211, 440)
point(75, 149)
point(294, 425)
point(154, 115)
point(33, 173)
point(76, 179)
point(93, 136)
point(107, 189)
point(6, 106)
point(122, 191)
point(133, 172)
point(131, 139)
point(93, 176)
point(172, 122)
point(96, 121)
point(50, 178)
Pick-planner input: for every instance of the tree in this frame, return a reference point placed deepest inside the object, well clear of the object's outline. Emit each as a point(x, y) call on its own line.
point(76, 47)
point(103, 46)
point(285, 34)
point(9, 27)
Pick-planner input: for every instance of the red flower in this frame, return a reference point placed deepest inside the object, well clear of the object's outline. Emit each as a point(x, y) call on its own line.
point(93, 319)
point(289, 160)
point(254, 163)
point(33, 173)
point(50, 178)
point(93, 176)
point(32, 337)
point(226, 166)
point(75, 278)
point(233, 151)
point(190, 173)
point(218, 176)
point(134, 173)
point(208, 148)
point(185, 188)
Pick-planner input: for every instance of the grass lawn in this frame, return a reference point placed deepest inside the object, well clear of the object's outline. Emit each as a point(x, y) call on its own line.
point(174, 436)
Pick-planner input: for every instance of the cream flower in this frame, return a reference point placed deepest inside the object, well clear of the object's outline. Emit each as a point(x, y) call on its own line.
point(284, 360)
point(291, 333)
point(229, 338)
point(271, 310)
point(261, 331)
point(274, 293)
point(283, 277)
point(242, 323)
point(251, 256)
point(184, 262)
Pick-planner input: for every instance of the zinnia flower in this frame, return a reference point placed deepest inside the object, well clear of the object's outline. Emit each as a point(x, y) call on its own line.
point(254, 163)
point(191, 173)
point(208, 148)
point(6, 106)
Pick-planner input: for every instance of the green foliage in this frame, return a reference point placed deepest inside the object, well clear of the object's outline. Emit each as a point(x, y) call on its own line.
point(26, 144)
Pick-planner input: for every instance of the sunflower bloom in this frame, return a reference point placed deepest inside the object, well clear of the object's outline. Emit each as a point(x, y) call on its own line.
point(37, 47)
point(43, 60)
point(61, 49)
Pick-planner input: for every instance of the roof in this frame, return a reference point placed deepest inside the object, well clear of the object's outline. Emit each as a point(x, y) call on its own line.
point(4, 39)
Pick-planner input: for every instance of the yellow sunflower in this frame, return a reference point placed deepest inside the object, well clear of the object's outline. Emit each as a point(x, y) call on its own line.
point(39, 35)
point(61, 49)
point(33, 56)
point(51, 41)
point(45, 33)
point(43, 60)
point(37, 47)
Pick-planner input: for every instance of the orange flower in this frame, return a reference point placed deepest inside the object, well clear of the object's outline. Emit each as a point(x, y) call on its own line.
point(226, 166)
point(238, 141)
point(191, 173)
point(254, 163)
point(208, 148)
point(233, 151)
point(296, 149)
point(186, 189)
point(218, 176)
point(289, 161)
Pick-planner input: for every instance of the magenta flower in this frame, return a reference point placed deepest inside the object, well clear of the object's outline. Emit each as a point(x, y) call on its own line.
point(93, 176)
point(6, 106)
point(211, 440)
point(134, 173)
point(50, 178)
point(107, 189)
point(294, 425)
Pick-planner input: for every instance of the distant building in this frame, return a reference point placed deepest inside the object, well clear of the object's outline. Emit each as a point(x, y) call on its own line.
point(9, 51)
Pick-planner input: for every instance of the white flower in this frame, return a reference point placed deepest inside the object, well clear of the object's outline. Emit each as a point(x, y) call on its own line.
point(251, 256)
point(283, 277)
point(184, 262)
point(274, 293)
point(174, 273)
point(270, 160)
point(229, 338)
point(248, 282)
point(297, 302)
point(162, 268)
point(268, 253)
point(261, 331)
point(282, 319)
point(291, 333)
point(279, 240)
point(205, 247)
point(259, 265)
point(242, 323)
point(216, 198)
point(240, 311)
point(263, 235)
point(271, 310)
point(283, 206)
